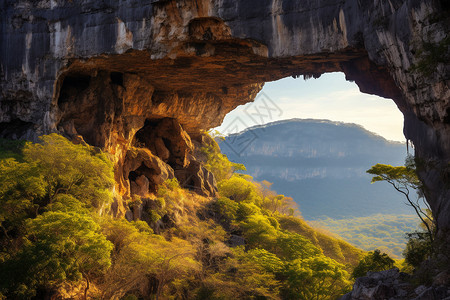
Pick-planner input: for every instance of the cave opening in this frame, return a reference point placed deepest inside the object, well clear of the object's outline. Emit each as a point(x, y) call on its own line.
point(164, 138)
point(116, 78)
point(72, 86)
point(87, 104)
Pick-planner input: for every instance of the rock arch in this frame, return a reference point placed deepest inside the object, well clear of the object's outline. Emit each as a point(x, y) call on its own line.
point(101, 69)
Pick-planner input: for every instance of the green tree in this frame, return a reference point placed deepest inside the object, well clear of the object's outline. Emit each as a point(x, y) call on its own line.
point(291, 246)
point(50, 169)
point(215, 161)
point(140, 255)
point(239, 189)
point(269, 261)
point(373, 261)
point(258, 231)
point(58, 247)
point(20, 184)
point(78, 170)
point(226, 209)
point(244, 275)
point(245, 210)
point(404, 179)
point(418, 248)
point(315, 278)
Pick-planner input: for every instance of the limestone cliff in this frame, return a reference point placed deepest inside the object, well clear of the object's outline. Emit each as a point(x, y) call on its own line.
point(105, 69)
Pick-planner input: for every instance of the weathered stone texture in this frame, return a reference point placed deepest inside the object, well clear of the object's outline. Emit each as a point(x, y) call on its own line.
point(102, 68)
point(393, 285)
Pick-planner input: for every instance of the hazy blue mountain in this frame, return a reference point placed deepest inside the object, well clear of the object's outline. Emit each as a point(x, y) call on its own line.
point(322, 165)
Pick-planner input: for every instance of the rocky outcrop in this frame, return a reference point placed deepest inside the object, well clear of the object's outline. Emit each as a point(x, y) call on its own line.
point(166, 138)
point(197, 178)
point(101, 69)
point(145, 171)
point(393, 285)
point(163, 150)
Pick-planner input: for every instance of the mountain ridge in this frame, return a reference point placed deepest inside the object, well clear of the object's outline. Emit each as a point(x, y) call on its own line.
point(316, 161)
point(321, 121)
point(322, 165)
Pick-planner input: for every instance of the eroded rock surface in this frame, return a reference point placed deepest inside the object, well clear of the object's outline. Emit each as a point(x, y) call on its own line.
point(141, 162)
point(393, 285)
point(101, 69)
point(166, 138)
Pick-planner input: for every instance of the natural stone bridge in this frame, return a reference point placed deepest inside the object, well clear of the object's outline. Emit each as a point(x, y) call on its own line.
point(104, 69)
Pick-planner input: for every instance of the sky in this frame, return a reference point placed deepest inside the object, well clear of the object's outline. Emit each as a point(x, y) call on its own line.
point(329, 97)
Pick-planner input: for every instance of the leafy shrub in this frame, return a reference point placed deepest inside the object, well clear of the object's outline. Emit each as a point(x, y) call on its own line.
point(59, 247)
point(291, 246)
point(50, 169)
point(153, 216)
point(216, 162)
point(245, 210)
point(418, 248)
point(317, 277)
point(226, 208)
point(11, 149)
point(239, 189)
point(374, 262)
point(258, 231)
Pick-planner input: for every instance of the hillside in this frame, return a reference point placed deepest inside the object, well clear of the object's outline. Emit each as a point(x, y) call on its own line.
point(59, 237)
point(322, 165)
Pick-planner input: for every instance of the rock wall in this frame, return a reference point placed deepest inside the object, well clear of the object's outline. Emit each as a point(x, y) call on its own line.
point(394, 285)
point(102, 68)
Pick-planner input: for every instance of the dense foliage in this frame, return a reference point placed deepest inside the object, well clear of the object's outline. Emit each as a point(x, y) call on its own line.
point(56, 238)
point(418, 248)
point(404, 179)
point(374, 261)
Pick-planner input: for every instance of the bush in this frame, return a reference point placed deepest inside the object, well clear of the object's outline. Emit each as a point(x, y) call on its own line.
point(216, 162)
point(373, 261)
point(245, 210)
point(11, 149)
point(226, 208)
point(418, 248)
point(54, 170)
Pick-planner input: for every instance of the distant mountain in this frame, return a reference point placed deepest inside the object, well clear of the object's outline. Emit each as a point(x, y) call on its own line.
point(322, 165)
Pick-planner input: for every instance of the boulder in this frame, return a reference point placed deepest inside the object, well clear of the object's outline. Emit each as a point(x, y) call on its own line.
point(393, 285)
point(143, 169)
point(198, 179)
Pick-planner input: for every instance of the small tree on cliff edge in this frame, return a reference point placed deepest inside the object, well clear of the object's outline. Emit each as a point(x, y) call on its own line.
point(404, 179)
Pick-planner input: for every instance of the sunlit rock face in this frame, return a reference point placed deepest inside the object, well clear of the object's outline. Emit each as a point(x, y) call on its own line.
point(101, 69)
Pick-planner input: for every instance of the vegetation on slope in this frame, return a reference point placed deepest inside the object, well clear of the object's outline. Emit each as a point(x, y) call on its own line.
point(57, 237)
point(321, 164)
point(380, 231)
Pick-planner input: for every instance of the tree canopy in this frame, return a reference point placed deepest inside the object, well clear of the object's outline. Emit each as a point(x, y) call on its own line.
point(58, 247)
point(404, 179)
point(57, 239)
point(50, 169)
point(374, 261)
